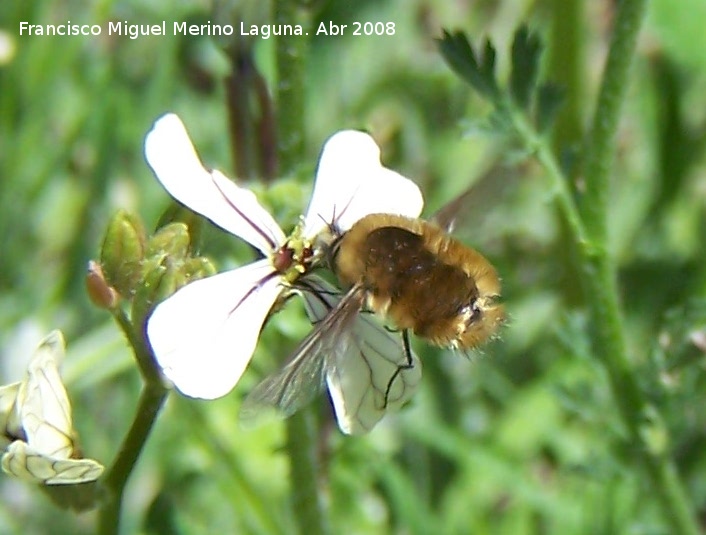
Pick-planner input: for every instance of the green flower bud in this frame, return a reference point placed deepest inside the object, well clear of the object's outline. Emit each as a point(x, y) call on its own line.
point(198, 268)
point(178, 213)
point(159, 282)
point(123, 251)
point(172, 240)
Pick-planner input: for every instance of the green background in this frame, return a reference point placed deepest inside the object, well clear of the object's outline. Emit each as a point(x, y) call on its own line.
point(523, 437)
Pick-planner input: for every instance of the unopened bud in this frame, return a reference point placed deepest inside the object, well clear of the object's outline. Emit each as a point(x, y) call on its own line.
point(158, 283)
point(122, 252)
point(198, 268)
point(172, 240)
point(100, 292)
point(178, 213)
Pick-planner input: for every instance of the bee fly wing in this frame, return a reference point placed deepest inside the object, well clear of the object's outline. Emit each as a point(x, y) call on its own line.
point(372, 372)
point(377, 374)
point(469, 210)
point(304, 375)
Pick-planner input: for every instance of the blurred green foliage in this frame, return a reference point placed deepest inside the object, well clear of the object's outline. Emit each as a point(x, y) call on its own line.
point(523, 438)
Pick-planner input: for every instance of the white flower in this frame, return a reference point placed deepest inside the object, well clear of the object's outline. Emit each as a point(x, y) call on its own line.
point(35, 414)
point(204, 335)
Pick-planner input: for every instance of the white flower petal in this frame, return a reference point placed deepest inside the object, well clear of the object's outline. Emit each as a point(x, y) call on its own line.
point(44, 409)
point(351, 183)
point(387, 192)
point(25, 462)
point(204, 335)
point(173, 159)
point(40, 421)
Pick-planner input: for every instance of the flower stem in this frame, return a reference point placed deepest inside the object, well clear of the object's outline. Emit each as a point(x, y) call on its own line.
point(589, 228)
point(600, 144)
point(143, 355)
point(600, 280)
point(151, 400)
point(601, 272)
point(301, 447)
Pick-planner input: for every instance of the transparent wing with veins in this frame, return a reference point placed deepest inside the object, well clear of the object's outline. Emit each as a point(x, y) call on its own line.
point(304, 375)
point(377, 375)
point(368, 370)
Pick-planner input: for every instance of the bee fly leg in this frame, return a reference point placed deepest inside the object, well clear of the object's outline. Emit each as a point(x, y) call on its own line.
point(409, 364)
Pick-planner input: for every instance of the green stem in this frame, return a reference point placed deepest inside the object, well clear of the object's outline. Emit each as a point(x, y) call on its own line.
point(609, 343)
point(151, 400)
point(559, 183)
point(301, 446)
point(114, 481)
point(599, 271)
point(600, 144)
point(143, 355)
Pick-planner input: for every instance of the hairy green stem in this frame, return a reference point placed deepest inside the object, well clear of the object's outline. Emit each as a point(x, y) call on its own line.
point(301, 446)
point(599, 150)
point(599, 272)
point(609, 344)
point(114, 481)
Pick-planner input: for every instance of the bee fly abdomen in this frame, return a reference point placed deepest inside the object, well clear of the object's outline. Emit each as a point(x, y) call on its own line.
point(423, 291)
point(421, 278)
